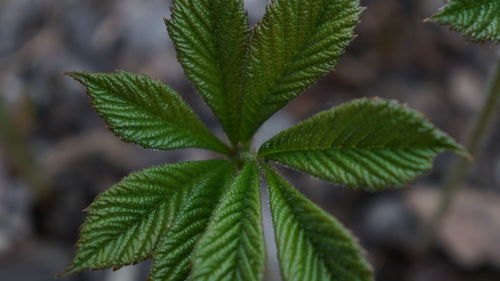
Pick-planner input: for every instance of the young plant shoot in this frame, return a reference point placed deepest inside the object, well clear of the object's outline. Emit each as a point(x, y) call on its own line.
point(202, 220)
point(478, 21)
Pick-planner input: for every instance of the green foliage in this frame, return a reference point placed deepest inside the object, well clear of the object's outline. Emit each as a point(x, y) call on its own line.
point(297, 42)
point(479, 20)
point(307, 237)
point(369, 143)
point(146, 112)
point(210, 37)
point(233, 246)
point(126, 222)
point(171, 259)
point(202, 220)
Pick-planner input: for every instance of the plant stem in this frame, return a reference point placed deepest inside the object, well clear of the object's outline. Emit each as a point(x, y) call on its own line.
point(19, 154)
point(459, 168)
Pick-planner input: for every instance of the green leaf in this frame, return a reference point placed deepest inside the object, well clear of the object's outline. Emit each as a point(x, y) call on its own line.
point(369, 143)
point(479, 20)
point(232, 248)
point(172, 258)
point(297, 42)
point(125, 223)
point(311, 244)
point(147, 112)
point(210, 37)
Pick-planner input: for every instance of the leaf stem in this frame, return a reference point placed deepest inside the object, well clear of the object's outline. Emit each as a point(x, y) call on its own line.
point(242, 153)
point(19, 154)
point(459, 168)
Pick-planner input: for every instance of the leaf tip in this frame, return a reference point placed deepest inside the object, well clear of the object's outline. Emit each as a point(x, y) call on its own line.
point(463, 152)
point(76, 75)
point(73, 73)
point(68, 271)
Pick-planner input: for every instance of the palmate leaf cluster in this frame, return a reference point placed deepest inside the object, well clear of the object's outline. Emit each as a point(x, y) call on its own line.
point(202, 220)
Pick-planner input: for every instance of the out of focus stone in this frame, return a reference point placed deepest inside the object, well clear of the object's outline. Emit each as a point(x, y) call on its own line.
point(471, 229)
point(389, 222)
point(466, 88)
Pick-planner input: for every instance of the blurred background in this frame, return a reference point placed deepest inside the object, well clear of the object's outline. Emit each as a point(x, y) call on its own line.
point(56, 154)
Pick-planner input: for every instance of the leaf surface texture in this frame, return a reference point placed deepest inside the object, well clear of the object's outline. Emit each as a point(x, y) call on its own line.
point(172, 258)
point(125, 223)
point(146, 112)
point(232, 248)
point(210, 37)
point(312, 245)
point(297, 42)
point(478, 20)
point(369, 143)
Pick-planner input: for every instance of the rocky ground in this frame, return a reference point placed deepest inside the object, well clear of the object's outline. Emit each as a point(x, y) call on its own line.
point(56, 155)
